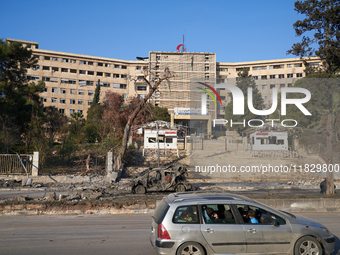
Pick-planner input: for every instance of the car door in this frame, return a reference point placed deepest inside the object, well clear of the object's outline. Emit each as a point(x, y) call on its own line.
point(224, 236)
point(265, 237)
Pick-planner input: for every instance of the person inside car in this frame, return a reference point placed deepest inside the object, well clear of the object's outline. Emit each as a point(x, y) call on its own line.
point(252, 218)
point(213, 215)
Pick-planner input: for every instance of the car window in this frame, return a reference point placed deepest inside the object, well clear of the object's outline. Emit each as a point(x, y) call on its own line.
point(186, 214)
point(279, 219)
point(218, 214)
point(253, 214)
point(160, 211)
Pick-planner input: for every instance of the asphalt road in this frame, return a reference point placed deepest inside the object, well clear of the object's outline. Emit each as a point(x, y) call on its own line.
point(95, 234)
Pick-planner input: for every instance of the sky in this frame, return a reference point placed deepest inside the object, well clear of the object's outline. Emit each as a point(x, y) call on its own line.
point(236, 31)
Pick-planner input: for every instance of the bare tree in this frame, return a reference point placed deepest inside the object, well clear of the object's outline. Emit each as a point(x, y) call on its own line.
point(153, 87)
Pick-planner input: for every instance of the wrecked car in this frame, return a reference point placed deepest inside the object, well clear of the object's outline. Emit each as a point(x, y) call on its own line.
point(172, 177)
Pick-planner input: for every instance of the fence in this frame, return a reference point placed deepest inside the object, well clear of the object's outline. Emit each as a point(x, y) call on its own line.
point(11, 164)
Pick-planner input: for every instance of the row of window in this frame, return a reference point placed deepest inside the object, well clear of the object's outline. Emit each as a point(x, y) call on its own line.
point(83, 62)
point(271, 86)
point(239, 69)
point(71, 111)
point(66, 70)
point(73, 81)
point(274, 76)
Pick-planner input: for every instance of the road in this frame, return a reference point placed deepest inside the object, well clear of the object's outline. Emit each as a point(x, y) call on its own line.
point(95, 234)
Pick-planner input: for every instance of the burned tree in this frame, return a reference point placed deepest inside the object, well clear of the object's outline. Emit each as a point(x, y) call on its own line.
point(153, 87)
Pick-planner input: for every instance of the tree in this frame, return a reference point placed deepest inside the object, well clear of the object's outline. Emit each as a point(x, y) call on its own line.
point(322, 18)
point(161, 113)
point(19, 98)
point(96, 98)
point(153, 86)
point(245, 81)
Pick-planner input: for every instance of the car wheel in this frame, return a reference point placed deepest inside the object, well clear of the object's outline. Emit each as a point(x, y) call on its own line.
point(140, 189)
point(190, 248)
point(308, 246)
point(180, 188)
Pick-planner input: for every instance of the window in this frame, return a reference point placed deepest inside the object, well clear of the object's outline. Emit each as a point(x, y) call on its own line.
point(259, 67)
point(282, 85)
point(272, 86)
point(107, 75)
point(240, 69)
point(138, 68)
point(62, 111)
point(289, 65)
point(44, 90)
point(299, 75)
point(99, 73)
point(62, 100)
point(272, 76)
point(72, 111)
point(264, 86)
point(82, 62)
point(73, 70)
point(68, 81)
point(80, 92)
point(50, 79)
point(90, 93)
point(36, 67)
point(64, 70)
point(89, 102)
point(124, 67)
point(290, 75)
point(106, 84)
point(54, 90)
point(141, 88)
point(33, 77)
point(89, 83)
point(314, 64)
point(73, 61)
point(100, 64)
point(82, 72)
point(90, 72)
point(107, 65)
point(80, 111)
point(186, 214)
point(72, 101)
point(263, 77)
point(218, 214)
point(63, 91)
point(80, 101)
point(36, 56)
point(53, 100)
point(65, 60)
point(55, 69)
point(276, 66)
point(261, 216)
point(255, 78)
point(123, 76)
point(117, 66)
point(90, 63)
point(298, 65)
point(47, 58)
point(73, 91)
point(124, 96)
point(115, 75)
point(43, 99)
point(264, 96)
point(46, 68)
point(54, 59)
point(281, 76)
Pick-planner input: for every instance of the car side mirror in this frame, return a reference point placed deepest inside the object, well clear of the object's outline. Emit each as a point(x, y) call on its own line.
point(274, 222)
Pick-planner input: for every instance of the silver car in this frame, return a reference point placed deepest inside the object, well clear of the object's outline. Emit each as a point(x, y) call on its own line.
point(222, 223)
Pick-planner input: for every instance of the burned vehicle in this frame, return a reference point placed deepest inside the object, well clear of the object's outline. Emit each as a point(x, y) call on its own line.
point(172, 177)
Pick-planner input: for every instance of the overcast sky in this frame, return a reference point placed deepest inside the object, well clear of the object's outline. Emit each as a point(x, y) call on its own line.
point(235, 30)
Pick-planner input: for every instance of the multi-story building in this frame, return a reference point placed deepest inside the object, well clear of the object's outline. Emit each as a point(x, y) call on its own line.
point(71, 78)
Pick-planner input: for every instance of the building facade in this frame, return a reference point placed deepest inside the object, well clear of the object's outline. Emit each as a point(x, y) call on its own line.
point(71, 78)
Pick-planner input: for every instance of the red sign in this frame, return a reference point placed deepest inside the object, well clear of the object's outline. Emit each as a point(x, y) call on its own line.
point(261, 133)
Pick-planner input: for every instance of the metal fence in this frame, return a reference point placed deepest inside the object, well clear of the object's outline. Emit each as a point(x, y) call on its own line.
point(11, 164)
